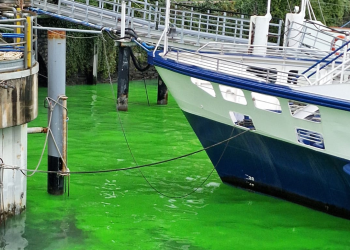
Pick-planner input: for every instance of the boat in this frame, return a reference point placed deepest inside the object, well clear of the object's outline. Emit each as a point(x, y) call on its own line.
point(272, 119)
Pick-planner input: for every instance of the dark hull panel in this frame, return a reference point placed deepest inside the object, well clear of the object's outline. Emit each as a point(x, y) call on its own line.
point(267, 165)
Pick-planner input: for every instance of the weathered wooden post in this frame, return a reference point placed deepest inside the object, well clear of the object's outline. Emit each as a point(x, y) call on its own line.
point(123, 76)
point(123, 65)
point(57, 99)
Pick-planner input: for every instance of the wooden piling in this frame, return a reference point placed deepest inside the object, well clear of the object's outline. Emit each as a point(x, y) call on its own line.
point(162, 92)
point(123, 76)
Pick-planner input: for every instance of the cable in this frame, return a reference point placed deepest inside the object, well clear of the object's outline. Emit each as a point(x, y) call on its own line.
point(136, 63)
point(134, 159)
point(321, 12)
point(42, 152)
point(144, 82)
point(346, 33)
point(211, 172)
point(43, 76)
point(134, 167)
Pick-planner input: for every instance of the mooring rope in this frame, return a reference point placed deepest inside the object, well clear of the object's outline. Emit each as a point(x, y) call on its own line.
point(4, 166)
point(127, 168)
point(43, 150)
point(128, 145)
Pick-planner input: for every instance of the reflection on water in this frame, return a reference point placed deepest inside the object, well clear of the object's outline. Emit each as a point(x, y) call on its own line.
point(12, 231)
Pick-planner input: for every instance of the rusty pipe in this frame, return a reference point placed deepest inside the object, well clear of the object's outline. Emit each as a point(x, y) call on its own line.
point(35, 130)
point(64, 132)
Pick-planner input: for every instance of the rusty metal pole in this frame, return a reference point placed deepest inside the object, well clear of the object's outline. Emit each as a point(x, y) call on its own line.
point(64, 132)
point(56, 92)
point(34, 130)
point(162, 92)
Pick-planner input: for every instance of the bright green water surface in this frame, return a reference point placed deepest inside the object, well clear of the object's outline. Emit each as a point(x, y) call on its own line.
point(120, 210)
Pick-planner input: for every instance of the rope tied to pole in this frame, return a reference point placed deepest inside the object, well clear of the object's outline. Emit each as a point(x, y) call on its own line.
point(138, 166)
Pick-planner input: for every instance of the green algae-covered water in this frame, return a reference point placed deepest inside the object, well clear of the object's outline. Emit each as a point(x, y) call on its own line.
point(120, 210)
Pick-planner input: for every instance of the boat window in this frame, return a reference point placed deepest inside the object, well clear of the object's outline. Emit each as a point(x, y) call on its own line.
point(304, 111)
point(242, 120)
point(310, 138)
point(266, 102)
point(204, 85)
point(233, 94)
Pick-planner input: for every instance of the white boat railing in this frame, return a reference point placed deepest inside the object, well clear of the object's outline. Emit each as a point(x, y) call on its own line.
point(335, 71)
point(314, 35)
point(271, 51)
point(234, 68)
point(327, 72)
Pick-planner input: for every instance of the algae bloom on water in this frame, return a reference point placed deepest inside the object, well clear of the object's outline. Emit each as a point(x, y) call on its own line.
point(119, 210)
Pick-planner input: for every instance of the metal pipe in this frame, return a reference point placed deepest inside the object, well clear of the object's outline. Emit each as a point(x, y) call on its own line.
point(11, 26)
point(122, 21)
point(64, 132)
point(26, 45)
point(29, 41)
point(345, 24)
point(56, 90)
point(13, 20)
point(70, 30)
point(6, 44)
point(36, 39)
point(166, 25)
point(6, 14)
point(10, 8)
point(35, 130)
point(268, 8)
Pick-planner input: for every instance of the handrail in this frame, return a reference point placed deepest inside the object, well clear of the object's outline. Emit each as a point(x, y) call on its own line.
point(326, 57)
point(23, 39)
point(239, 69)
point(12, 20)
point(191, 25)
point(345, 24)
point(160, 39)
point(339, 70)
point(304, 35)
point(273, 51)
